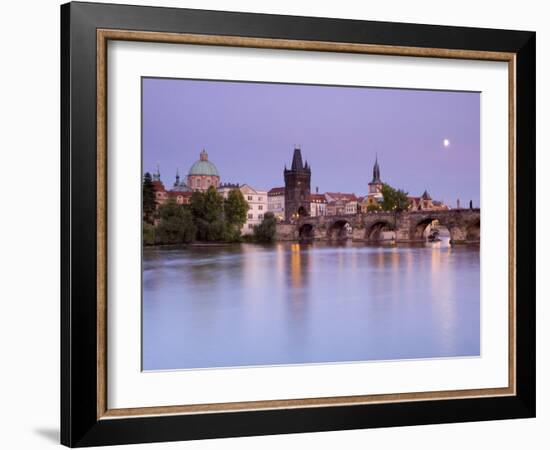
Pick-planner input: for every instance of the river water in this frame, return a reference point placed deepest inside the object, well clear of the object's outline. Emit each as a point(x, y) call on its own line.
point(293, 303)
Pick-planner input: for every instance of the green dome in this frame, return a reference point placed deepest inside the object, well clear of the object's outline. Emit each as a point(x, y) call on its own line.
point(203, 166)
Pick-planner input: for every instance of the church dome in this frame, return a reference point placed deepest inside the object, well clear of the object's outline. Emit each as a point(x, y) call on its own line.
point(181, 187)
point(203, 166)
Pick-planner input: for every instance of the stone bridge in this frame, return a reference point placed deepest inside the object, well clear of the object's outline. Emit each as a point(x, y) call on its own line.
point(406, 226)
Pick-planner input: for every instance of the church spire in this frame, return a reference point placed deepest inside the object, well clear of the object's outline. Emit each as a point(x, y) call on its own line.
point(376, 171)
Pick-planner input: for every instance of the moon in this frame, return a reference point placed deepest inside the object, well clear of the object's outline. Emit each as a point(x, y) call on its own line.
point(446, 142)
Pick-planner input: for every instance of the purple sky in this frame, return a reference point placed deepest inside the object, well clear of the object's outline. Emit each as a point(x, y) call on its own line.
point(249, 131)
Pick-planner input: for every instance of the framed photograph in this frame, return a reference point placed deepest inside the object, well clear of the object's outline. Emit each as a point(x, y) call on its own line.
point(276, 224)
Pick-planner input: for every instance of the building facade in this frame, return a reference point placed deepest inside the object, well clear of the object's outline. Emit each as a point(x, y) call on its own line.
point(297, 187)
point(318, 204)
point(276, 202)
point(426, 203)
point(340, 203)
point(225, 188)
point(257, 204)
point(257, 207)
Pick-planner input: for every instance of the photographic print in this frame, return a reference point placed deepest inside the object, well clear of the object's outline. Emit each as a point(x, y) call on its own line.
point(308, 224)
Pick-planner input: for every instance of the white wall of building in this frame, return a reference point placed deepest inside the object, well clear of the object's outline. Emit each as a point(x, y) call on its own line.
point(276, 205)
point(318, 209)
point(257, 204)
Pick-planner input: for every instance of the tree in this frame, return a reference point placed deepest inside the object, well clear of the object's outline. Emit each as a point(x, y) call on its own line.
point(207, 212)
point(265, 231)
point(374, 207)
point(235, 208)
point(148, 198)
point(176, 224)
point(148, 234)
point(394, 199)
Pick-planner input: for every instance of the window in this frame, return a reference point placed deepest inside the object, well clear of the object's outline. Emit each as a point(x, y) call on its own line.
point(250, 216)
point(260, 207)
point(260, 216)
point(198, 183)
point(259, 199)
point(249, 197)
point(250, 226)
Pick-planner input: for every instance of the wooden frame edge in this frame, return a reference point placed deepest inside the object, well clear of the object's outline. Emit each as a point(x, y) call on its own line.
point(101, 190)
point(103, 35)
point(289, 44)
point(512, 200)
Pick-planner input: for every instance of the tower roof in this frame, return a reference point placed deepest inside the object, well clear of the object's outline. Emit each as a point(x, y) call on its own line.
point(376, 172)
point(156, 175)
point(297, 162)
point(426, 196)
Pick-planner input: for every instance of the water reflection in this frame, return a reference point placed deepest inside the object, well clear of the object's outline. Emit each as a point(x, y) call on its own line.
point(292, 303)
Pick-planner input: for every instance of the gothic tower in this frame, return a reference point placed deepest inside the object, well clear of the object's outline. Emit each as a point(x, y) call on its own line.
point(297, 187)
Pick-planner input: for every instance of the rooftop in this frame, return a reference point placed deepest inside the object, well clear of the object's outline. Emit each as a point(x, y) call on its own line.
point(341, 196)
point(276, 191)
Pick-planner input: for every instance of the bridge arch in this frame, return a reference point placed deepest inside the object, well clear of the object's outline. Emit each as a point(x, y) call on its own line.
point(473, 231)
point(306, 231)
point(339, 230)
point(421, 229)
point(374, 232)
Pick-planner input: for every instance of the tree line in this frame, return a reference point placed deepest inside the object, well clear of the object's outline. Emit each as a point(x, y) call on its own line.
point(208, 218)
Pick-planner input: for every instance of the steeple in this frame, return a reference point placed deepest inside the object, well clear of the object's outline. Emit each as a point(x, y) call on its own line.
point(177, 178)
point(376, 172)
point(156, 175)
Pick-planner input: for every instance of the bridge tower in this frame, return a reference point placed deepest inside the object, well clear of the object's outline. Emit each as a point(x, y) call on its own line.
point(297, 187)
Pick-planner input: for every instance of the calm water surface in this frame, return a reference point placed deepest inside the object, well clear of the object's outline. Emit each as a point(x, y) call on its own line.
point(290, 303)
